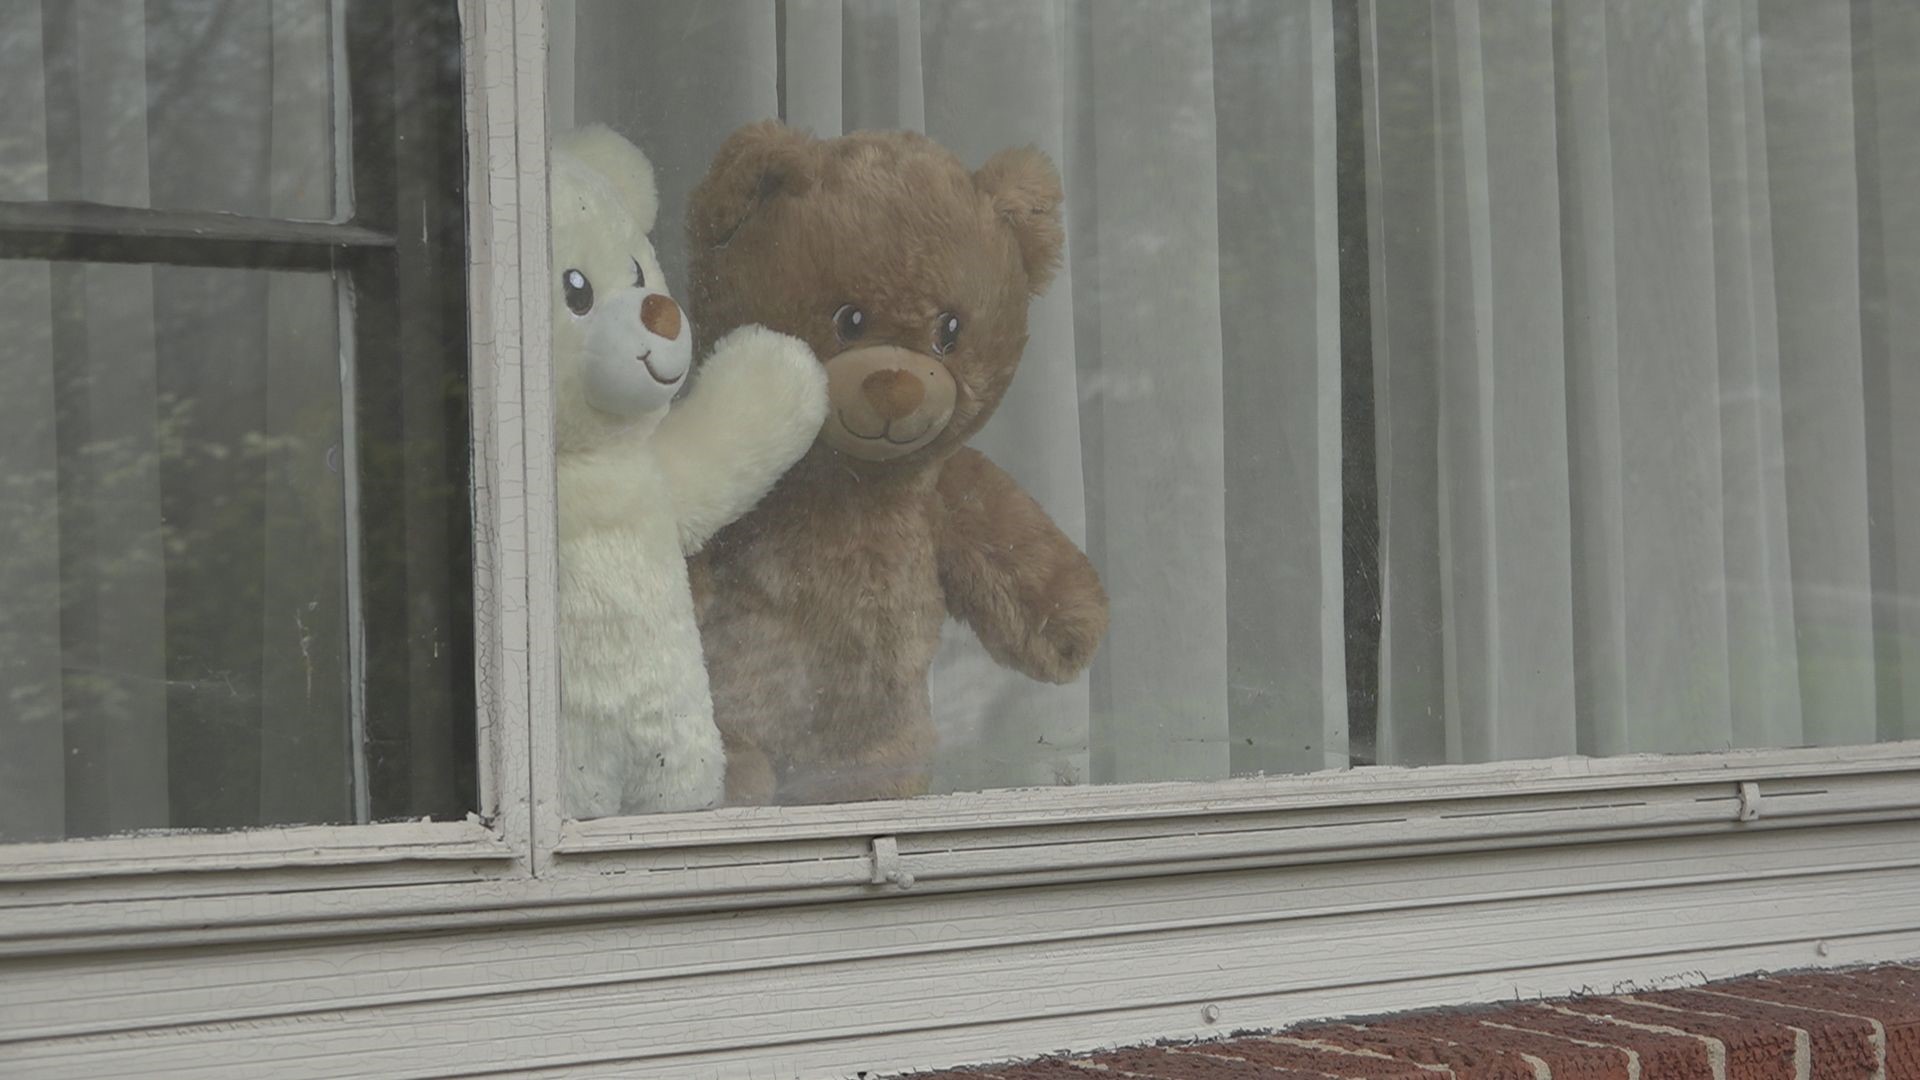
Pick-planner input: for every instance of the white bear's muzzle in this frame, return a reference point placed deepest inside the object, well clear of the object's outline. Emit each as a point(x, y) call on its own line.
point(638, 352)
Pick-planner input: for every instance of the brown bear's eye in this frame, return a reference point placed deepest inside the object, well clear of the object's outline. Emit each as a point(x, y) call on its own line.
point(850, 322)
point(946, 333)
point(578, 291)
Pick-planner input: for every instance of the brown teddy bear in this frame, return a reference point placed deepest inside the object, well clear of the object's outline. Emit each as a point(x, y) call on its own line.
point(909, 276)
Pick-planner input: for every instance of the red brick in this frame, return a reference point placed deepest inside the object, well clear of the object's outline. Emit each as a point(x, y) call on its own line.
point(1287, 1055)
point(1756, 1026)
point(1881, 984)
point(1899, 1017)
point(1662, 1056)
point(1756, 1049)
point(1467, 1062)
point(1840, 1048)
point(1567, 1060)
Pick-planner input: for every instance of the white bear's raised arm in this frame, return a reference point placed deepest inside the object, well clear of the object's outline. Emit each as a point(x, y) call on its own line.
point(757, 406)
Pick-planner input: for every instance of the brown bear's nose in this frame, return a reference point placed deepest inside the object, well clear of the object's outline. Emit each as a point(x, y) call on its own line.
point(893, 393)
point(661, 315)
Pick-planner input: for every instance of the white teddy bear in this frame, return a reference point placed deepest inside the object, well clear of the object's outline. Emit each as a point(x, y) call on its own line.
point(643, 486)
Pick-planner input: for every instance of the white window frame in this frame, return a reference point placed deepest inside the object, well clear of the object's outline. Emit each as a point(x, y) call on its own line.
point(518, 862)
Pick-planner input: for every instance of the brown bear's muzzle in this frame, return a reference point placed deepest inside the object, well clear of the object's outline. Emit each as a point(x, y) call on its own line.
point(885, 402)
point(893, 393)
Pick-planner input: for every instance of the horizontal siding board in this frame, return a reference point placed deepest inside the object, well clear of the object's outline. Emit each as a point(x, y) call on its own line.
point(660, 997)
point(117, 989)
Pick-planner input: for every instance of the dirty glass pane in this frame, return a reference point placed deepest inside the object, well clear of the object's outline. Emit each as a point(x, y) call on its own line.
point(236, 587)
point(175, 625)
point(1423, 383)
point(180, 104)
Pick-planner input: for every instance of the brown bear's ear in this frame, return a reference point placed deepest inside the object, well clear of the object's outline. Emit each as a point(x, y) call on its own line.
point(1026, 194)
point(756, 163)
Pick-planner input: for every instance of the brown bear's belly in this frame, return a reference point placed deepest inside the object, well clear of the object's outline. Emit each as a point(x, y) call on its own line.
point(818, 644)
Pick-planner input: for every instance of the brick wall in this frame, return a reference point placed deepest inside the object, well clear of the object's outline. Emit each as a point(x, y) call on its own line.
point(1858, 1024)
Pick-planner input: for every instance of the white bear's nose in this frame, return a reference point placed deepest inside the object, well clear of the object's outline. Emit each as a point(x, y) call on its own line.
point(659, 314)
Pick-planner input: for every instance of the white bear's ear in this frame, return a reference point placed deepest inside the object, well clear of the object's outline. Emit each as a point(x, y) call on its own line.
point(618, 162)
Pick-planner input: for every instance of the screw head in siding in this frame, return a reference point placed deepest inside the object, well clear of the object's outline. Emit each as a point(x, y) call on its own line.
point(1211, 1014)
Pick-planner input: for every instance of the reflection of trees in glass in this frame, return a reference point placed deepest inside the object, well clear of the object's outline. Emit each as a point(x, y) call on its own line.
point(226, 104)
point(239, 584)
point(182, 520)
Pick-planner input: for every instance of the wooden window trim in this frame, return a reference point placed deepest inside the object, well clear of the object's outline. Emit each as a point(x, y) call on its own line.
point(93, 232)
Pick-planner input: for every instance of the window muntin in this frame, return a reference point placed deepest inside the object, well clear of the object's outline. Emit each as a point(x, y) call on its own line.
point(244, 593)
point(1382, 418)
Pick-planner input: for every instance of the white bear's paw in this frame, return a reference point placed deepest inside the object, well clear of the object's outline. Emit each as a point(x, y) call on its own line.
point(773, 378)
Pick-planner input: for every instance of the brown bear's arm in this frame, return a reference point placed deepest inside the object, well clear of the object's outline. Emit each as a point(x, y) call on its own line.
point(1011, 574)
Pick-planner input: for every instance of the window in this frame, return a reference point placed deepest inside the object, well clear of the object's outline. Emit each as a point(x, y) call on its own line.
point(237, 588)
point(1426, 387)
point(1360, 238)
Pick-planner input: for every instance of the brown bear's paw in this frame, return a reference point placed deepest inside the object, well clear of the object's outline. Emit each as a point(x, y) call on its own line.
point(1064, 640)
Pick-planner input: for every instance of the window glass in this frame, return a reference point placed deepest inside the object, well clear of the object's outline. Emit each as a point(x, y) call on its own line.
point(236, 584)
point(180, 104)
point(1423, 383)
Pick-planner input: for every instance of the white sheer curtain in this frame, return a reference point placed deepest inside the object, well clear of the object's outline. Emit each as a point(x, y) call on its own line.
point(1645, 276)
point(171, 633)
point(1178, 408)
point(1642, 395)
point(1643, 311)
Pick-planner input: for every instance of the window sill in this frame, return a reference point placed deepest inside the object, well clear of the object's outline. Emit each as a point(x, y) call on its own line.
point(289, 885)
point(1041, 836)
point(163, 852)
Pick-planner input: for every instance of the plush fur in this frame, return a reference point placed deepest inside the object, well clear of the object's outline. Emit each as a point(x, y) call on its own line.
point(642, 486)
point(821, 609)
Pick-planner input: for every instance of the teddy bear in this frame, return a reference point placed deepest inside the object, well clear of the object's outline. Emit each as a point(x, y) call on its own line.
point(642, 485)
point(821, 610)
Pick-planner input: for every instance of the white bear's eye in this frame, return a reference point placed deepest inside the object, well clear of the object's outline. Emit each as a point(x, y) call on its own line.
point(946, 332)
point(639, 275)
point(578, 291)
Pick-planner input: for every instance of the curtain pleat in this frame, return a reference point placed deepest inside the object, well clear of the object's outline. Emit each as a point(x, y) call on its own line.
point(173, 638)
point(1807, 87)
point(1719, 292)
point(1763, 671)
point(1504, 526)
point(1647, 486)
point(1010, 729)
point(1404, 227)
point(1886, 41)
point(1156, 486)
point(1273, 84)
point(305, 748)
point(33, 764)
point(113, 565)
